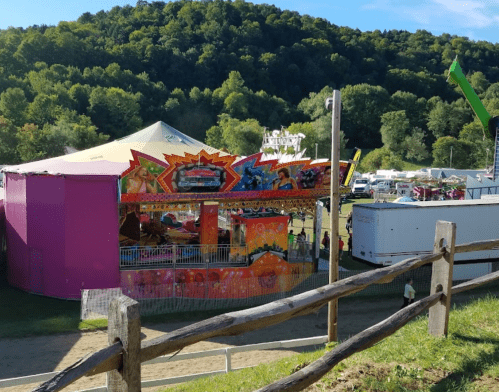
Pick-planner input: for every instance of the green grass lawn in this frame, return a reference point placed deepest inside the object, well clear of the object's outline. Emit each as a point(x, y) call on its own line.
point(409, 166)
point(26, 314)
point(409, 360)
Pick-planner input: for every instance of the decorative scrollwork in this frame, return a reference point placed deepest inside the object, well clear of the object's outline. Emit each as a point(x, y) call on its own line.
point(289, 205)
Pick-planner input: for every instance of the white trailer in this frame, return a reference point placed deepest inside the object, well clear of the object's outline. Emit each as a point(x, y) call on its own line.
point(387, 233)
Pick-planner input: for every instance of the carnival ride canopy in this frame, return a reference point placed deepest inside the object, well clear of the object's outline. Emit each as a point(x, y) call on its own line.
point(114, 158)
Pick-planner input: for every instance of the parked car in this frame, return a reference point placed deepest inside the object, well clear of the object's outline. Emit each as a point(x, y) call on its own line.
point(380, 186)
point(361, 187)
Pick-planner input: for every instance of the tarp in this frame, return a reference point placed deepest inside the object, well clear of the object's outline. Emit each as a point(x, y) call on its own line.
point(114, 158)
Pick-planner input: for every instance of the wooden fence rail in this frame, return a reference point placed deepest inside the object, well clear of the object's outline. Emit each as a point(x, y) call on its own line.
point(115, 356)
point(227, 352)
point(367, 338)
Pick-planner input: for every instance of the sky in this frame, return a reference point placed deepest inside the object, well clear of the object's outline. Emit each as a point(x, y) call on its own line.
point(478, 19)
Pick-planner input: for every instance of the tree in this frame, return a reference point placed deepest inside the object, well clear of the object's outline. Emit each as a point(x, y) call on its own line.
point(394, 129)
point(14, 105)
point(482, 148)
point(447, 119)
point(363, 106)
point(380, 158)
point(479, 82)
point(8, 142)
point(314, 106)
point(76, 131)
point(323, 130)
point(115, 111)
point(239, 137)
point(414, 145)
point(461, 152)
point(35, 143)
point(43, 109)
point(415, 108)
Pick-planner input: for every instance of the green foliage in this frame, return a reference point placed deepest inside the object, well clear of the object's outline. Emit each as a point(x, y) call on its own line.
point(461, 153)
point(414, 145)
point(363, 106)
point(238, 137)
point(187, 63)
point(394, 129)
point(14, 105)
point(76, 131)
point(8, 142)
point(35, 143)
point(115, 111)
point(474, 134)
point(380, 158)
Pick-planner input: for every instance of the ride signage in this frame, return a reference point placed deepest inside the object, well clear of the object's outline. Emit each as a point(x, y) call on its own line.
point(214, 176)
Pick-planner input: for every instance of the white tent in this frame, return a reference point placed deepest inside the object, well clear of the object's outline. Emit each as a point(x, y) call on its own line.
point(114, 158)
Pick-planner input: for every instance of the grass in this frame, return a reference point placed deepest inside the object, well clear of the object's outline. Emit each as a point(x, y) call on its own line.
point(26, 314)
point(410, 166)
point(409, 360)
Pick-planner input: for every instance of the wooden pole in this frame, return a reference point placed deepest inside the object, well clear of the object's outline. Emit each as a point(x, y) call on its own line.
point(124, 326)
point(441, 278)
point(332, 327)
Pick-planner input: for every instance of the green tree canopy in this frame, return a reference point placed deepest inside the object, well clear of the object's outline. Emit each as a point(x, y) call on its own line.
point(238, 137)
point(8, 142)
point(14, 105)
point(380, 158)
point(394, 129)
point(461, 153)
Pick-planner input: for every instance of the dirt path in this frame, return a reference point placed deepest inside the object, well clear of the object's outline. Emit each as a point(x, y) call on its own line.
point(21, 357)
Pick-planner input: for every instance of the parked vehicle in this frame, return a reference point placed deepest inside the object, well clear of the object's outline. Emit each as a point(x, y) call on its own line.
point(361, 187)
point(387, 233)
point(381, 186)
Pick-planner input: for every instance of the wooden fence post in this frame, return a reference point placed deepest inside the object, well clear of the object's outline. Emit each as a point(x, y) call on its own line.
point(441, 278)
point(124, 325)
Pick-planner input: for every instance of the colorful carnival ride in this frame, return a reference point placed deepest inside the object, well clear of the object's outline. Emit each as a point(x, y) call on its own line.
point(159, 214)
point(216, 226)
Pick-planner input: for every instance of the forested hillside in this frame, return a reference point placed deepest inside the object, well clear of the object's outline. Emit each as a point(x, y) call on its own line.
point(220, 71)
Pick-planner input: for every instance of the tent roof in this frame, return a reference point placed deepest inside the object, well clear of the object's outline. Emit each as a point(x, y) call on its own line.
point(114, 158)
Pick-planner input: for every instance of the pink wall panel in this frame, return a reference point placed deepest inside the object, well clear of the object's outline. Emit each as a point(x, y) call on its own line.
point(91, 235)
point(46, 232)
point(2, 219)
point(16, 230)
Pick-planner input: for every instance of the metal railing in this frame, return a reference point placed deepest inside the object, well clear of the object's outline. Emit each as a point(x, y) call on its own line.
point(381, 196)
point(300, 251)
point(169, 256)
point(225, 351)
point(487, 190)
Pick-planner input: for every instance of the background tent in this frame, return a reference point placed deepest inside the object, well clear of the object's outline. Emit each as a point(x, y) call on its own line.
point(62, 216)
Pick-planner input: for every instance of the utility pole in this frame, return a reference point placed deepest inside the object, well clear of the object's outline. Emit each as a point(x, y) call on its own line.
point(450, 164)
point(334, 103)
point(316, 144)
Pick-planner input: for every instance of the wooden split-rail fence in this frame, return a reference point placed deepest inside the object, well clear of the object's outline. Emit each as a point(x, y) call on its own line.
point(123, 357)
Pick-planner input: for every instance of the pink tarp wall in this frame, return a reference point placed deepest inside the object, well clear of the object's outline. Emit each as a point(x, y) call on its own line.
point(3, 262)
point(62, 233)
point(16, 228)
